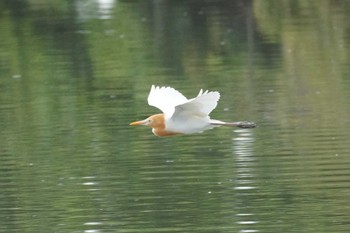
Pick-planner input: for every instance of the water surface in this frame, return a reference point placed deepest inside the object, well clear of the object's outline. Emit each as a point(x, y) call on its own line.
point(74, 75)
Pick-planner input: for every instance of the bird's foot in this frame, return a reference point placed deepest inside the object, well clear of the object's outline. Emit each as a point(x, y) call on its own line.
point(246, 124)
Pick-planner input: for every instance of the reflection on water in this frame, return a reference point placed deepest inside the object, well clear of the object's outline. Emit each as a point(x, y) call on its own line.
point(243, 145)
point(74, 74)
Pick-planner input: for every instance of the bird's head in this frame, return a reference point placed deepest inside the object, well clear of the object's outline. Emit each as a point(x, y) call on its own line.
point(154, 121)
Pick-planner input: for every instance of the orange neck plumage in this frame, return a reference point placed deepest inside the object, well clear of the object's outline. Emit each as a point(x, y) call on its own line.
point(158, 125)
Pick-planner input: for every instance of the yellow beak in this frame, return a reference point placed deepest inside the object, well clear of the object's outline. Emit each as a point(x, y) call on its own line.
point(144, 122)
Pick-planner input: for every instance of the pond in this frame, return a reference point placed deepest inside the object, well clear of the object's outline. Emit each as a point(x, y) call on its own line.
point(74, 74)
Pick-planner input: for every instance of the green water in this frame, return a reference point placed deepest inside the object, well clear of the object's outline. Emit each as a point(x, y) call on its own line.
point(74, 74)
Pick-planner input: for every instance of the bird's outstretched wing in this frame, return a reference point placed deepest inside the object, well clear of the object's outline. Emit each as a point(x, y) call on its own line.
point(201, 106)
point(165, 99)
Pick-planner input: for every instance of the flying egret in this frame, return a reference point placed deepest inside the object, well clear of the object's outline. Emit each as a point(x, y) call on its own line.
point(184, 116)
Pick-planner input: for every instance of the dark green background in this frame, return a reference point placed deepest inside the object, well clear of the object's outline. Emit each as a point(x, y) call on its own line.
point(73, 74)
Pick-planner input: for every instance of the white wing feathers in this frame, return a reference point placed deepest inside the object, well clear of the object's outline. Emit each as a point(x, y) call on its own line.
point(173, 104)
point(201, 106)
point(165, 99)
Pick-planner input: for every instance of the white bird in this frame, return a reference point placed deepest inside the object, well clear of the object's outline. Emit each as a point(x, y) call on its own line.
point(181, 115)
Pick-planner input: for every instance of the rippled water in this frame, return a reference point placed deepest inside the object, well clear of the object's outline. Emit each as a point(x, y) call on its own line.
point(73, 76)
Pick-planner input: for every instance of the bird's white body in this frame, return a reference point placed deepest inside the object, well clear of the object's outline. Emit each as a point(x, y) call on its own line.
point(182, 115)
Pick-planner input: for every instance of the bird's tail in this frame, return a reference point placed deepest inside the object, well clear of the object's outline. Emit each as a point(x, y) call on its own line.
point(240, 124)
